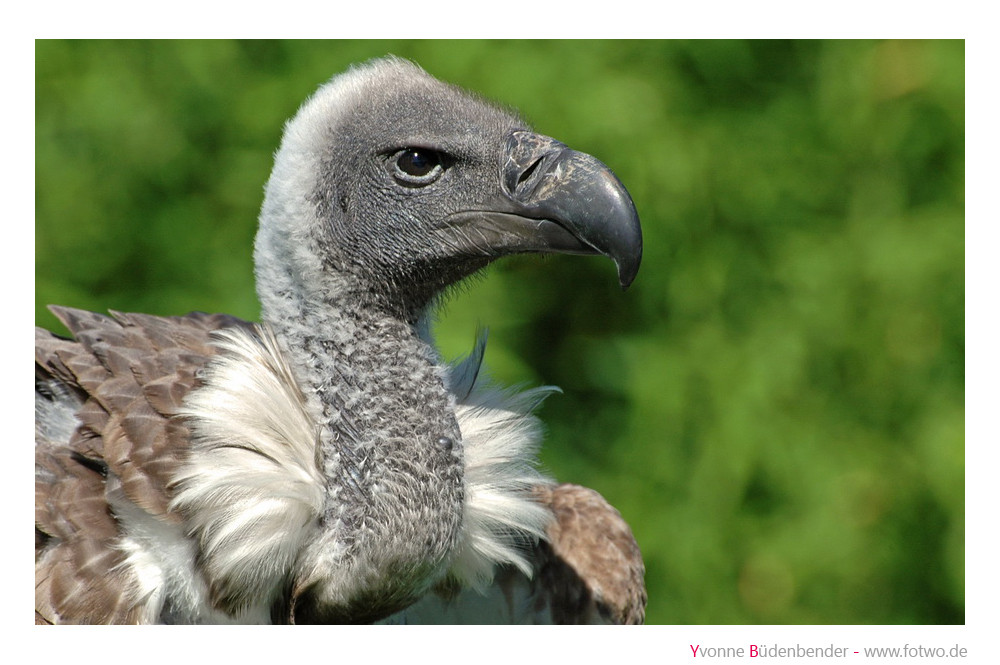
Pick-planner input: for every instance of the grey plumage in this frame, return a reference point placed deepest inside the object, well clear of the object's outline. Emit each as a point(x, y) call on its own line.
point(327, 465)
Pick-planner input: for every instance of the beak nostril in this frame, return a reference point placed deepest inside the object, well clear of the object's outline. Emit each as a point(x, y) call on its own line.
point(528, 171)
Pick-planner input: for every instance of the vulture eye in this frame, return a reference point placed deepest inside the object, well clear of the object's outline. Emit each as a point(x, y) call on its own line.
point(417, 167)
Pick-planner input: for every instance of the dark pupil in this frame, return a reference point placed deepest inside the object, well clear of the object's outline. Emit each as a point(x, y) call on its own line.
point(417, 162)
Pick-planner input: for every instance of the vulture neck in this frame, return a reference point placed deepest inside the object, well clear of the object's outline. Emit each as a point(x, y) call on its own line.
point(389, 445)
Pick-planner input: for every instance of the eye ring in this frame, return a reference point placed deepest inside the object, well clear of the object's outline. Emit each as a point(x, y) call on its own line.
point(417, 167)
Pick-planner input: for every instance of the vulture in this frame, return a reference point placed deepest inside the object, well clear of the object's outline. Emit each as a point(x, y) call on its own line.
point(326, 465)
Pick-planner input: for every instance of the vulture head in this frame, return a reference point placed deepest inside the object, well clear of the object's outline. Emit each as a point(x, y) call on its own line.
point(391, 185)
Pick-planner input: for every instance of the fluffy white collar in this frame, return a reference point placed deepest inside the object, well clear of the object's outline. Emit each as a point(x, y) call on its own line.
point(251, 490)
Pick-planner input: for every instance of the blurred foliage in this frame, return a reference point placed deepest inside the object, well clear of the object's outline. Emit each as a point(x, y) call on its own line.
point(776, 405)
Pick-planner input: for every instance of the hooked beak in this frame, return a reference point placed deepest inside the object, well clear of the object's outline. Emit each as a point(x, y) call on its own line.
point(554, 199)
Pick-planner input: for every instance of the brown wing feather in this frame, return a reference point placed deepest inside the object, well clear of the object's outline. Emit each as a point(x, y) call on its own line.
point(126, 376)
point(113, 362)
point(76, 579)
point(591, 568)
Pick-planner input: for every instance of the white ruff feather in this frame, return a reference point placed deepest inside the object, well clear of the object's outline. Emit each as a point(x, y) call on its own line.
point(252, 492)
point(501, 439)
point(250, 489)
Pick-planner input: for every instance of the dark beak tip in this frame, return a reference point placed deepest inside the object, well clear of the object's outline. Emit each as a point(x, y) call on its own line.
point(627, 253)
point(627, 271)
point(625, 280)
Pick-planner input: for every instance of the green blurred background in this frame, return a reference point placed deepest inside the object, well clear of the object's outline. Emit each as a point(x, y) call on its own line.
point(776, 405)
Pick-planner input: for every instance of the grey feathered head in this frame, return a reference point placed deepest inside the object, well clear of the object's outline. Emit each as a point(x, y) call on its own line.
point(391, 185)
